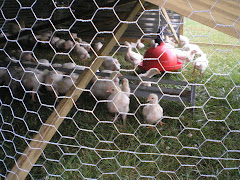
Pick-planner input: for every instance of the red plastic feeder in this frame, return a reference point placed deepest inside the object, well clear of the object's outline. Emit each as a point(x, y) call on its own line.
point(167, 59)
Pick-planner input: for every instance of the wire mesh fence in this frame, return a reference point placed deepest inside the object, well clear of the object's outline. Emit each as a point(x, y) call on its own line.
point(77, 102)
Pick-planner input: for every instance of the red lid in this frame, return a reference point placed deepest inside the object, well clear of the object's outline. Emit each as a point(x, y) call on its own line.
point(166, 59)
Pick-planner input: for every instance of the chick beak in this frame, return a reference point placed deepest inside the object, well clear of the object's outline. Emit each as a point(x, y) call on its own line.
point(119, 75)
point(148, 99)
point(159, 72)
point(109, 89)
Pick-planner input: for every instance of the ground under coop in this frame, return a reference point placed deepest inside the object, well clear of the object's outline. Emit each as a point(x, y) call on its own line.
point(53, 125)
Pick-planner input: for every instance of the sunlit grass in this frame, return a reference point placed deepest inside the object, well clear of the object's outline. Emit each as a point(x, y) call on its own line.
point(198, 32)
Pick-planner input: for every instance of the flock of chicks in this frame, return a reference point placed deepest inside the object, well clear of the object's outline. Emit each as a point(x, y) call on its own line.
point(32, 78)
point(108, 88)
point(188, 52)
point(80, 48)
point(118, 94)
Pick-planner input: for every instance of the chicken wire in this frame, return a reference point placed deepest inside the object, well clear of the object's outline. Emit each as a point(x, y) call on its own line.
point(196, 142)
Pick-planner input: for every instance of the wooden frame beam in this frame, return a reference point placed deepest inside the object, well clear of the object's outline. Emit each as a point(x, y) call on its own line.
point(223, 17)
point(165, 14)
point(35, 148)
point(181, 29)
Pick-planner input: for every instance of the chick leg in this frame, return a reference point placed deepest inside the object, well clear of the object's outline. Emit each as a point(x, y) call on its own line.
point(193, 71)
point(161, 123)
point(151, 127)
point(124, 120)
point(33, 97)
point(35, 90)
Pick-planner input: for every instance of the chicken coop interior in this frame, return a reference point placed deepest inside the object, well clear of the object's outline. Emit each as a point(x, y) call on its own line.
point(119, 89)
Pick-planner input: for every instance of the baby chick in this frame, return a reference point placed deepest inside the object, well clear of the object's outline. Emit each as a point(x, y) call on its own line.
point(44, 62)
point(66, 83)
point(138, 44)
point(69, 65)
point(98, 46)
point(118, 103)
point(32, 79)
point(111, 63)
point(13, 77)
point(54, 40)
point(100, 86)
point(52, 81)
point(68, 45)
point(170, 43)
point(201, 63)
point(27, 58)
point(125, 87)
point(60, 45)
point(81, 52)
point(183, 40)
point(190, 47)
point(184, 56)
point(86, 45)
point(153, 112)
point(149, 74)
point(132, 57)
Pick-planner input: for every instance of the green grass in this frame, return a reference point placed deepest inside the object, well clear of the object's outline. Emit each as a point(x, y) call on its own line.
point(89, 143)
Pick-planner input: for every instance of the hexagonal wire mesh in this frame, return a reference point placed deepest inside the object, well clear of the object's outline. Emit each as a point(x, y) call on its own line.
point(60, 120)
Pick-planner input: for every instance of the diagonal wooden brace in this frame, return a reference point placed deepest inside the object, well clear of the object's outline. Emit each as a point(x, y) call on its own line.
point(164, 12)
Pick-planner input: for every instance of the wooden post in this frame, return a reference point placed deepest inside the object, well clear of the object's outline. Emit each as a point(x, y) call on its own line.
point(170, 24)
point(181, 26)
point(31, 154)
